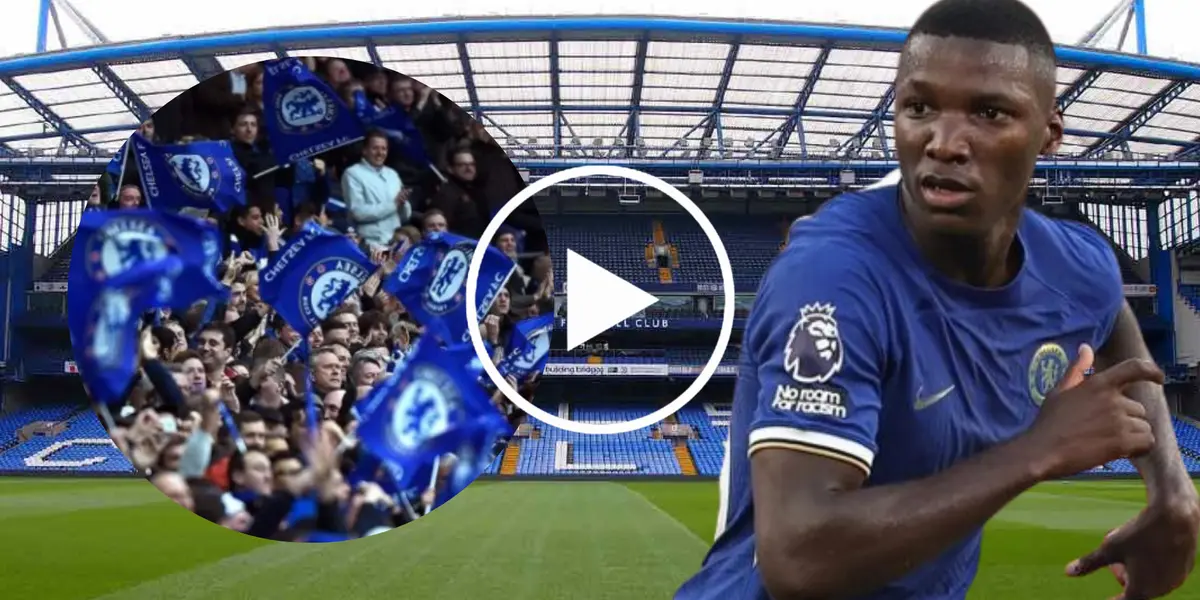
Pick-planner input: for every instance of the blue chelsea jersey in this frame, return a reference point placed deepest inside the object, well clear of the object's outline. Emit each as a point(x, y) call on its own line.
point(859, 351)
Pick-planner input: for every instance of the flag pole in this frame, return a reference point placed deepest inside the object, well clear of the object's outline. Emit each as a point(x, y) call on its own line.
point(286, 165)
point(433, 480)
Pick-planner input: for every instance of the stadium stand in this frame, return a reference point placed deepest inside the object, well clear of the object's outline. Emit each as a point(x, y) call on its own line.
point(61, 439)
point(661, 249)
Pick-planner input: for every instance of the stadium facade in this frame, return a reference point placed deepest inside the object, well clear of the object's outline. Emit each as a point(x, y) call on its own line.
point(758, 122)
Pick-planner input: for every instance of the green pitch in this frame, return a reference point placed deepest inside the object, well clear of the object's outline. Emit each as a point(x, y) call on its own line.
point(78, 539)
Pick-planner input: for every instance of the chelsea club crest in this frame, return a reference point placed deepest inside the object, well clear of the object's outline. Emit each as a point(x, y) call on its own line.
point(447, 288)
point(124, 243)
point(197, 175)
point(326, 285)
point(539, 345)
point(423, 409)
point(303, 109)
point(1046, 369)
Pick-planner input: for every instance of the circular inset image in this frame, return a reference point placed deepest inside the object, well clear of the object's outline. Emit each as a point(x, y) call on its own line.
point(268, 305)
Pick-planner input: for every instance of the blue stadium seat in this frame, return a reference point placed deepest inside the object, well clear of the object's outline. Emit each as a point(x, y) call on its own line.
point(615, 242)
point(751, 242)
point(637, 453)
point(1191, 293)
point(83, 446)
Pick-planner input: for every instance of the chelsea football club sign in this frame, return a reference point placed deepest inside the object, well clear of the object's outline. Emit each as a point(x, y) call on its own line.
point(303, 109)
point(447, 288)
point(423, 408)
point(123, 243)
point(200, 176)
point(327, 284)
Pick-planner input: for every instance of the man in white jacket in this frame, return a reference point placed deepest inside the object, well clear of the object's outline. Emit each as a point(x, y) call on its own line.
point(374, 195)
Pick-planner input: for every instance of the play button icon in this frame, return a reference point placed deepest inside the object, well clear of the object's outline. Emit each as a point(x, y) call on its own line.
point(598, 300)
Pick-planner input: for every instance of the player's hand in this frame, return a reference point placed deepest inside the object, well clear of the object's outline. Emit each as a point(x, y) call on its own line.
point(1151, 555)
point(1087, 422)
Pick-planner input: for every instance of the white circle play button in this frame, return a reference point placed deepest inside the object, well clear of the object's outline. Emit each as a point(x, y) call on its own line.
point(597, 297)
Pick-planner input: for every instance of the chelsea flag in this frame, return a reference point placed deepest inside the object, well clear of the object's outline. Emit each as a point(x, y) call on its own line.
point(431, 282)
point(304, 117)
point(124, 264)
point(202, 175)
point(430, 406)
point(313, 275)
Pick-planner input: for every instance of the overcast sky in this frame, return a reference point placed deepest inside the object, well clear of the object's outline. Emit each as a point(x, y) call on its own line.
point(1171, 23)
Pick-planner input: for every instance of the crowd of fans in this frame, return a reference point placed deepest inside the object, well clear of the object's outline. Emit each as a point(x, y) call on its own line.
point(286, 484)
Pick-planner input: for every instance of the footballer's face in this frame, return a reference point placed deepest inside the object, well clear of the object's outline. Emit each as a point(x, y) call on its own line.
point(972, 117)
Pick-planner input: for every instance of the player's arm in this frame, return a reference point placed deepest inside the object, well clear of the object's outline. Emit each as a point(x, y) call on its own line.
point(1162, 468)
point(820, 534)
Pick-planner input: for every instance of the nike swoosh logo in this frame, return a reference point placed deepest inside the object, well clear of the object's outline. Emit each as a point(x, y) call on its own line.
point(925, 402)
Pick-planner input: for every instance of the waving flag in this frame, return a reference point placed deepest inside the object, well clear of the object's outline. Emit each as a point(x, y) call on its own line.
point(472, 458)
point(124, 264)
point(430, 406)
point(528, 348)
point(105, 322)
point(304, 117)
point(431, 282)
point(116, 168)
point(202, 175)
point(111, 242)
point(313, 275)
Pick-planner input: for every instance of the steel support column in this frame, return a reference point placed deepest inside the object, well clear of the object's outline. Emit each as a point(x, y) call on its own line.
point(1124, 132)
point(714, 123)
point(52, 119)
point(801, 103)
point(373, 52)
point(464, 60)
point(856, 143)
point(202, 66)
point(633, 127)
point(123, 93)
point(555, 98)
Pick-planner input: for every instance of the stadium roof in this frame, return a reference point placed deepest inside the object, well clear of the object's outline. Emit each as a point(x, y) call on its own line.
point(604, 87)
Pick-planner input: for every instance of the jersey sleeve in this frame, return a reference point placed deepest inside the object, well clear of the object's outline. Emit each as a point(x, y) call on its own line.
point(815, 344)
point(1106, 294)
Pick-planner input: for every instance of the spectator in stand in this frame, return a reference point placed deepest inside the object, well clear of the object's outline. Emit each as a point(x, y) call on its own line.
point(286, 485)
point(374, 194)
point(130, 197)
point(456, 199)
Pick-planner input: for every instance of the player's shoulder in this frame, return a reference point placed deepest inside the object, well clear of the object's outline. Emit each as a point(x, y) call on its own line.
point(1076, 261)
point(1070, 248)
point(833, 257)
point(844, 236)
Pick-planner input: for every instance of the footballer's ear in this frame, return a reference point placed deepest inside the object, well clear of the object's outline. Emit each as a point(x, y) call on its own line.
point(1055, 127)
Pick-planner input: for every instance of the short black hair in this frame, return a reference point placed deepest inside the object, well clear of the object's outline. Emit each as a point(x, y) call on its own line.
point(248, 416)
point(374, 133)
point(1000, 21)
point(225, 331)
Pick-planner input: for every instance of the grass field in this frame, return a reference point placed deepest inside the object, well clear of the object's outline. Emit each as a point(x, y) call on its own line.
point(77, 539)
